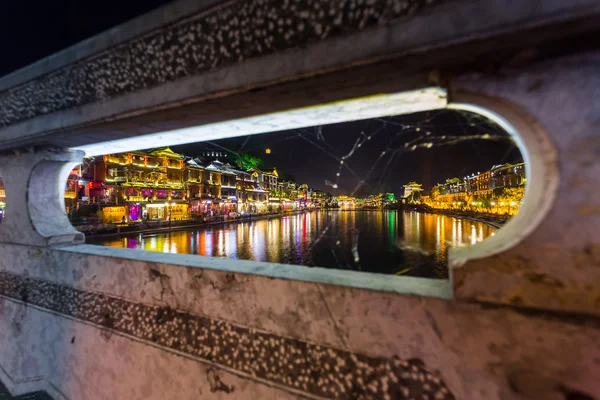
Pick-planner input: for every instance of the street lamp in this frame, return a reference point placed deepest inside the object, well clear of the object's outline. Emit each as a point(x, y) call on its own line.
point(512, 204)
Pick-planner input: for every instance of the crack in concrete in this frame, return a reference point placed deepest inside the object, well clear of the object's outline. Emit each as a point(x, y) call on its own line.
point(165, 283)
point(216, 384)
point(338, 330)
point(434, 325)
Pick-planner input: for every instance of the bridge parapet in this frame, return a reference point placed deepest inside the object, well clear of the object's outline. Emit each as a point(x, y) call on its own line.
point(546, 257)
point(194, 53)
point(518, 320)
point(180, 325)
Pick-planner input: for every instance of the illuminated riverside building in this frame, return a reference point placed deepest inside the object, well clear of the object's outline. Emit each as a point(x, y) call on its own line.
point(498, 190)
point(251, 195)
point(374, 201)
point(304, 194)
point(134, 186)
point(346, 202)
point(203, 186)
point(291, 196)
point(268, 180)
point(163, 185)
point(229, 192)
point(478, 183)
point(507, 175)
point(319, 198)
point(410, 188)
point(160, 184)
point(142, 185)
point(285, 197)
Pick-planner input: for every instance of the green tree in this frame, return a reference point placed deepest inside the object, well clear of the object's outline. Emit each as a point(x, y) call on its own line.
point(247, 161)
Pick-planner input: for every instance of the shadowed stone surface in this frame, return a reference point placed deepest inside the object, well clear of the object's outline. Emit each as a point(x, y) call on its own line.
point(311, 368)
point(474, 348)
point(34, 184)
point(5, 395)
point(227, 35)
point(556, 265)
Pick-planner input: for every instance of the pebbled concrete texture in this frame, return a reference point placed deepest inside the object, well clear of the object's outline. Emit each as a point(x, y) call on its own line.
point(553, 261)
point(78, 361)
point(227, 35)
point(479, 352)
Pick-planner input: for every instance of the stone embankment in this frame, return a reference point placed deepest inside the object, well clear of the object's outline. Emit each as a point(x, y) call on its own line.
point(495, 221)
point(104, 230)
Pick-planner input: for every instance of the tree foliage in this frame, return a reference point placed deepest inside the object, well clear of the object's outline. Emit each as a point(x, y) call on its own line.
point(248, 161)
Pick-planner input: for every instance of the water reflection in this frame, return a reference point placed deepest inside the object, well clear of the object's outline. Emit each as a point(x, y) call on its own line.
point(388, 242)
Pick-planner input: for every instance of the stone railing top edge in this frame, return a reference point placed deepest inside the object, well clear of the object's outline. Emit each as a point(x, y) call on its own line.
point(150, 22)
point(404, 285)
point(103, 41)
point(152, 59)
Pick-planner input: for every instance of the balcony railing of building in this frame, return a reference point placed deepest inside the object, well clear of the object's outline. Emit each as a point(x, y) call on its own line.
point(194, 180)
point(120, 159)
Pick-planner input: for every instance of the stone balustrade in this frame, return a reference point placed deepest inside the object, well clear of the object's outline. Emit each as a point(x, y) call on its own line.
point(519, 318)
point(186, 325)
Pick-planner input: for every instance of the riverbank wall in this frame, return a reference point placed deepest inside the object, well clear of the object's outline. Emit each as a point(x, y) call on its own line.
point(493, 221)
point(105, 231)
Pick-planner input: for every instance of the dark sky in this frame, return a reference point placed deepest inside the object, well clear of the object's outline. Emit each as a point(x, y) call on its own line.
point(314, 158)
point(31, 30)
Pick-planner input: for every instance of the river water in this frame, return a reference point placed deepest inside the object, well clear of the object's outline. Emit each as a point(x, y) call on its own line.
point(389, 242)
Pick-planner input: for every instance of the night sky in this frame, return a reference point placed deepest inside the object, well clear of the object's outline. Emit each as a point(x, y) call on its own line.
point(314, 158)
point(35, 29)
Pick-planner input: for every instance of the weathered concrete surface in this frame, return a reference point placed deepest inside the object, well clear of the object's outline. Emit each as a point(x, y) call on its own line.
point(555, 260)
point(71, 360)
point(34, 185)
point(81, 323)
point(480, 352)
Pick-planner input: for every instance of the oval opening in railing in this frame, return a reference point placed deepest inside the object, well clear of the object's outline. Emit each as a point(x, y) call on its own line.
point(388, 195)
